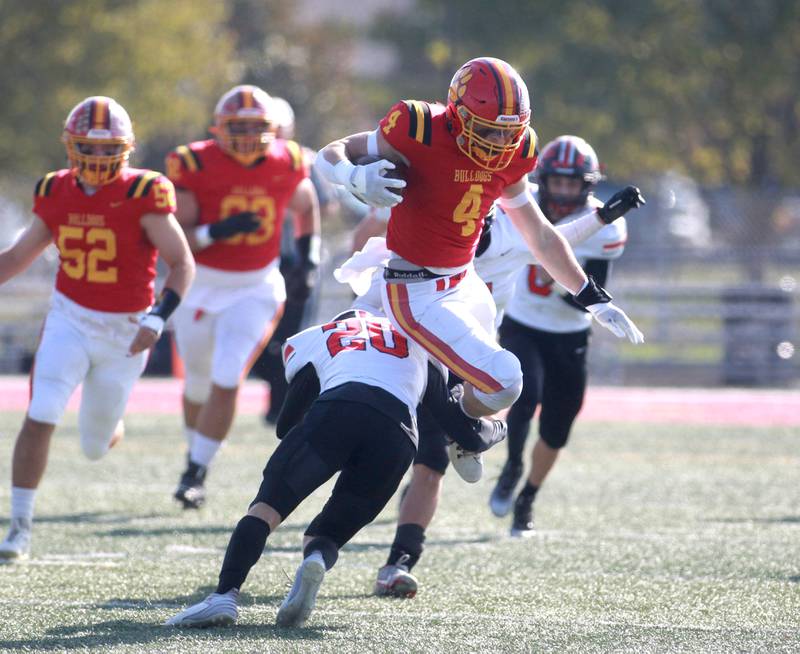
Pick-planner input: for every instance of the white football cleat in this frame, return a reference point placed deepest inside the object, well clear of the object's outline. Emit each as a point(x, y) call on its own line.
point(299, 603)
point(17, 544)
point(469, 465)
point(214, 611)
point(396, 581)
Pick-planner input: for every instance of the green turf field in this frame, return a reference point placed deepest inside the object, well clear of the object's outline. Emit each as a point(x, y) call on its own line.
point(652, 539)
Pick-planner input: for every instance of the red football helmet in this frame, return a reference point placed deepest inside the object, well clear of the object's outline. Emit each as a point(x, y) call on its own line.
point(98, 135)
point(489, 107)
point(244, 123)
point(567, 156)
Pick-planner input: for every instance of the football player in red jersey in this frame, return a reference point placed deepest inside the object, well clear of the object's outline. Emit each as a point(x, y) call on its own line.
point(233, 191)
point(109, 222)
point(461, 157)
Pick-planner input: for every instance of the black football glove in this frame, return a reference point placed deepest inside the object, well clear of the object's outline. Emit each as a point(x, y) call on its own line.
point(620, 203)
point(239, 223)
point(302, 277)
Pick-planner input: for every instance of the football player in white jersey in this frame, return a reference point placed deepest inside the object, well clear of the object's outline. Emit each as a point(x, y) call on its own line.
point(354, 387)
point(502, 253)
point(549, 332)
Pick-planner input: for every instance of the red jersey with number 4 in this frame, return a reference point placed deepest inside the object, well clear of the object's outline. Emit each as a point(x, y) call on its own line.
point(439, 221)
point(223, 187)
point(107, 261)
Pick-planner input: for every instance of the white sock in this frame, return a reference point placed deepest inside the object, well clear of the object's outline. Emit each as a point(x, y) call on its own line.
point(188, 432)
point(203, 449)
point(22, 500)
point(316, 555)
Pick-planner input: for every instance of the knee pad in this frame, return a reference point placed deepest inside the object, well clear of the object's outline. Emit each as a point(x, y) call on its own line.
point(93, 446)
point(508, 371)
point(196, 388)
point(555, 440)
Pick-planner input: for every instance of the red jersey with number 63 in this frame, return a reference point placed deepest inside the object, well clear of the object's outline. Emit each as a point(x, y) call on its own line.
point(439, 221)
point(223, 187)
point(107, 261)
point(365, 349)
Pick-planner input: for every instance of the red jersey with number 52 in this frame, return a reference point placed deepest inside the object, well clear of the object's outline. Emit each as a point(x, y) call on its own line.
point(107, 261)
point(439, 221)
point(365, 349)
point(223, 187)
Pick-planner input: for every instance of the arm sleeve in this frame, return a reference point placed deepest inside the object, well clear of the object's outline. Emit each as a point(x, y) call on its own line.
point(474, 435)
point(302, 391)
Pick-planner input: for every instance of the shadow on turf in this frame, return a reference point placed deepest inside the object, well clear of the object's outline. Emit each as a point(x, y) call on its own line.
point(130, 632)
point(206, 529)
point(93, 517)
point(787, 519)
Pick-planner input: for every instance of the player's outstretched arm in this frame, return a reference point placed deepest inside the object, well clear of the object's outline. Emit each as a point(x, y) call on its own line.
point(549, 247)
point(23, 253)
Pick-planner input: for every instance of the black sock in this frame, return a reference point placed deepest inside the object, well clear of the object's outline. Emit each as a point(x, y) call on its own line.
point(408, 539)
point(518, 428)
point(528, 492)
point(326, 547)
point(244, 549)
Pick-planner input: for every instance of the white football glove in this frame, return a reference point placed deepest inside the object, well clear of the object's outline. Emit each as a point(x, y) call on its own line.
point(616, 321)
point(369, 185)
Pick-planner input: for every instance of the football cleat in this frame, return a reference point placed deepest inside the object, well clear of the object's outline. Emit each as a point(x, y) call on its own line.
point(17, 544)
point(214, 611)
point(396, 581)
point(191, 492)
point(522, 524)
point(469, 465)
point(297, 607)
point(502, 496)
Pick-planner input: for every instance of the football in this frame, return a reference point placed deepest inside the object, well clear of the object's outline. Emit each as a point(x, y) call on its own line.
point(400, 170)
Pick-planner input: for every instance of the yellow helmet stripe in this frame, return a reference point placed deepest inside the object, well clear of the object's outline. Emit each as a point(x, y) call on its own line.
point(247, 99)
point(509, 96)
point(100, 111)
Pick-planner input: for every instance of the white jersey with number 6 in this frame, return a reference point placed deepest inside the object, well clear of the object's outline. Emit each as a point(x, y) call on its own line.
point(538, 301)
point(365, 349)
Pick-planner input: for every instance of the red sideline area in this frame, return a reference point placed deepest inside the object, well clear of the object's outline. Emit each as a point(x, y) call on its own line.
point(693, 406)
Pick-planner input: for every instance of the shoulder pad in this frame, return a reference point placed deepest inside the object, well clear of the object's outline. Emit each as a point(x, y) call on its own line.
point(529, 146)
point(189, 158)
point(419, 121)
point(142, 184)
point(295, 154)
point(44, 185)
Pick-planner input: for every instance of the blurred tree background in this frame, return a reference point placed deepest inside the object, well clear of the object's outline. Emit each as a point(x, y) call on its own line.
point(695, 100)
point(704, 87)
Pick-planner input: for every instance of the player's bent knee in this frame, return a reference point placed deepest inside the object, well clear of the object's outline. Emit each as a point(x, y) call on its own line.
point(502, 399)
point(196, 389)
point(94, 447)
point(555, 440)
point(506, 369)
